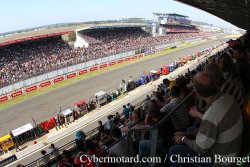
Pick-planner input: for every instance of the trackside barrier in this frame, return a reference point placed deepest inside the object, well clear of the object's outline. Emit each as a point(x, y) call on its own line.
point(71, 145)
point(66, 132)
point(154, 129)
point(63, 71)
point(8, 160)
point(72, 129)
point(84, 65)
point(29, 150)
point(60, 135)
point(64, 77)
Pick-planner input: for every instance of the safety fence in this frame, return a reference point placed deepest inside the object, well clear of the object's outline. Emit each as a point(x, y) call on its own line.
point(41, 81)
point(72, 145)
point(90, 131)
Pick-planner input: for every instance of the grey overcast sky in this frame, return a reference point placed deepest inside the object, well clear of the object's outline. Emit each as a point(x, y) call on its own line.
point(21, 14)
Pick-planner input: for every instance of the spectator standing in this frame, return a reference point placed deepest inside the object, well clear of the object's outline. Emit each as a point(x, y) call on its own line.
point(55, 152)
point(125, 112)
point(80, 138)
point(100, 128)
point(130, 107)
point(45, 159)
point(117, 116)
point(17, 147)
point(109, 123)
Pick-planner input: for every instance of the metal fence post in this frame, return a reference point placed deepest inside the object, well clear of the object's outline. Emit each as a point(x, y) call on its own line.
point(154, 136)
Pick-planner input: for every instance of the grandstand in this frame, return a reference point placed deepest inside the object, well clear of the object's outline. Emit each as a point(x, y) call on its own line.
point(169, 23)
point(205, 110)
point(19, 62)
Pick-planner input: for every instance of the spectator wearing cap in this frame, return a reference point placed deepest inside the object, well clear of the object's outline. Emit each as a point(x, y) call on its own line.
point(77, 159)
point(67, 160)
point(80, 138)
point(220, 132)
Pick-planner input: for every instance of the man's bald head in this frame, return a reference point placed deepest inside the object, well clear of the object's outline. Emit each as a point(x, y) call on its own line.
point(204, 85)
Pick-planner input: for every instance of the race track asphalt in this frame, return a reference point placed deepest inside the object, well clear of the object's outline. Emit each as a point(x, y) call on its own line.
point(44, 106)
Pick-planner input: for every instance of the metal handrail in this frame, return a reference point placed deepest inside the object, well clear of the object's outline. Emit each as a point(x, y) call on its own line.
point(166, 117)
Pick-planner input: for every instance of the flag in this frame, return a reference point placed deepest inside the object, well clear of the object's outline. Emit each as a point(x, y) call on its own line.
point(33, 120)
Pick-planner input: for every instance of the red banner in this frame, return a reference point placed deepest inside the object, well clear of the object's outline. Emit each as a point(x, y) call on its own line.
point(35, 37)
point(18, 93)
point(44, 84)
point(127, 59)
point(112, 63)
point(32, 88)
point(120, 61)
point(103, 65)
point(72, 75)
point(134, 57)
point(59, 79)
point(83, 72)
point(93, 68)
point(3, 98)
point(140, 55)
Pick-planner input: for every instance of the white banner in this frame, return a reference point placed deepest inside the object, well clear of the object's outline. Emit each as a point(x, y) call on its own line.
point(22, 129)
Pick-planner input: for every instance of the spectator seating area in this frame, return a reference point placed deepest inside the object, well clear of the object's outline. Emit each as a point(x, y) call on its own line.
point(23, 60)
point(180, 117)
point(180, 29)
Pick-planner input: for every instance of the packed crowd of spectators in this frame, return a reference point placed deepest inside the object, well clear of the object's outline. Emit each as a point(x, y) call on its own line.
point(23, 60)
point(213, 120)
point(180, 29)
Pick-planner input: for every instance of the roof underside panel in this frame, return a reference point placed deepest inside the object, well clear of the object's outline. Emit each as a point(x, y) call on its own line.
point(236, 12)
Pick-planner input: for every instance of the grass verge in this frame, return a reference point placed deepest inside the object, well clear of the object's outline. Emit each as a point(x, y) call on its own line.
point(87, 75)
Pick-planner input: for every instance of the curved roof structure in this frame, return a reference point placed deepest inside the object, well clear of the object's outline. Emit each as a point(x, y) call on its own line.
point(236, 12)
point(169, 14)
point(43, 33)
